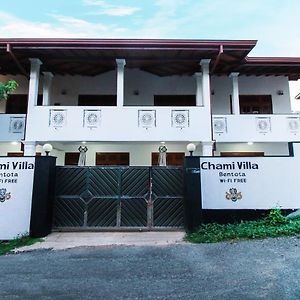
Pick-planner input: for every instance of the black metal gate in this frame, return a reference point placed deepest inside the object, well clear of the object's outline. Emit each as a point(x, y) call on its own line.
point(118, 197)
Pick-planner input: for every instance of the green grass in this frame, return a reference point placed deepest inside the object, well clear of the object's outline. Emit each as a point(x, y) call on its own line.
point(6, 246)
point(273, 225)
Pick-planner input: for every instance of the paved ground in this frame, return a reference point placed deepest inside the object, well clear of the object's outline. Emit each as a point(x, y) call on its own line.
point(262, 269)
point(66, 240)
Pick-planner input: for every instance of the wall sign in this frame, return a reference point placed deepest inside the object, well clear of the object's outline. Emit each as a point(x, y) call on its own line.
point(16, 184)
point(250, 182)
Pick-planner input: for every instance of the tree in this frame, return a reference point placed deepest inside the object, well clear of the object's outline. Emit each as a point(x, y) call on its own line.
point(7, 88)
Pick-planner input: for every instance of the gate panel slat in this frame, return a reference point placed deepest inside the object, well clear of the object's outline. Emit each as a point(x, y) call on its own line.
point(133, 213)
point(69, 212)
point(102, 213)
point(168, 212)
point(103, 181)
point(135, 182)
point(168, 181)
point(167, 196)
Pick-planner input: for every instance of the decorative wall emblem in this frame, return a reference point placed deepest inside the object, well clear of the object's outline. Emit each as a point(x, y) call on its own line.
point(4, 195)
point(17, 124)
point(180, 118)
point(263, 124)
point(233, 195)
point(58, 118)
point(293, 124)
point(147, 118)
point(220, 124)
point(91, 118)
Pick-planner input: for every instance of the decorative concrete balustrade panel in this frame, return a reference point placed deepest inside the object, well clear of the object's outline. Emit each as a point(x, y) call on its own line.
point(256, 128)
point(12, 127)
point(70, 123)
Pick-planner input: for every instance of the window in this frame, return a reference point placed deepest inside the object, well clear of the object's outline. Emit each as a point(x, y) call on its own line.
point(173, 158)
point(112, 158)
point(256, 104)
point(17, 103)
point(71, 158)
point(242, 154)
point(175, 100)
point(97, 100)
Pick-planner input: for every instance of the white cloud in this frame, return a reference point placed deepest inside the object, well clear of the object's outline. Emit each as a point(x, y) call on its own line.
point(119, 11)
point(109, 9)
point(64, 26)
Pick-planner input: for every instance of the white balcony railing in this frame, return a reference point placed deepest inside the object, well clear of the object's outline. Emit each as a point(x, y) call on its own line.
point(256, 128)
point(12, 127)
point(69, 123)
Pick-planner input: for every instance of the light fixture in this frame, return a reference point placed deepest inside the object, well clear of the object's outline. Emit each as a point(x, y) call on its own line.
point(280, 92)
point(14, 143)
point(47, 148)
point(191, 148)
point(84, 142)
point(250, 143)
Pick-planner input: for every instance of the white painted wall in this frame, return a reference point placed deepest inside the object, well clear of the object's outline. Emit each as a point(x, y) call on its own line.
point(9, 147)
point(135, 80)
point(148, 85)
point(140, 153)
point(250, 85)
point(267, 148)
point(117, 124)
point(245, 128)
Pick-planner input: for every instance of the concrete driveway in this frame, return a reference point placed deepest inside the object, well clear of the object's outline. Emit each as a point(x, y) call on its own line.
point(262, 269)
point(67, 240)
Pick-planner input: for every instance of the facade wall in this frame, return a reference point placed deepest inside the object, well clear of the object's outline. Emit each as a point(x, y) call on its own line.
point(65, 89)
point(267, 148)
point(251, 85)
point(140, 153)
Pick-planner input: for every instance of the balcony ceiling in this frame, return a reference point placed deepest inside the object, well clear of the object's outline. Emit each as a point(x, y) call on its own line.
point(159, 57)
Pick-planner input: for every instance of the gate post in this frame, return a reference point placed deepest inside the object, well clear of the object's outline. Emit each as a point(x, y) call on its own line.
point(42, 196)
point(192, 193)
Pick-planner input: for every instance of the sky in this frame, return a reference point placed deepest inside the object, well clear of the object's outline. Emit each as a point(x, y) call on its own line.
point(274, 23)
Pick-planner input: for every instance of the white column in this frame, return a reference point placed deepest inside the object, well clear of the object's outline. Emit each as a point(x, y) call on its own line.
point(199, 98)
point(47, 83)
point(120, 81)
point(29, 148)
point(205, 82)
point(207, 148)
point(235, 93)
point(34, 82)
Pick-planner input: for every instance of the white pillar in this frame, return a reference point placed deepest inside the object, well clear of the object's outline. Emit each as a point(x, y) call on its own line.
point(205, 82)
point(29, 148)
point(34, 82)
point(47, 82)
point(235, 93)
point(207, 148)
point(199, 98)
point(120, 81)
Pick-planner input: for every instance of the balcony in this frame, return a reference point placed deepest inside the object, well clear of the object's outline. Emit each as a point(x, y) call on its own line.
point(256, 128)
point(143, 123)
point(12, 127)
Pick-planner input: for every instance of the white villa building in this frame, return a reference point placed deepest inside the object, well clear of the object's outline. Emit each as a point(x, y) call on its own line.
point(123, 98)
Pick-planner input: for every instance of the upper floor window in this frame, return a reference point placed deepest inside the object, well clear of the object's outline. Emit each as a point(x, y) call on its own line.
point(174, 100)
point(256, 104)
point(17, 103)
point(97, 100)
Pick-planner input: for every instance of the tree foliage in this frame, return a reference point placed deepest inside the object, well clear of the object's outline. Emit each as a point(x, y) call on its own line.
point(7, 88)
